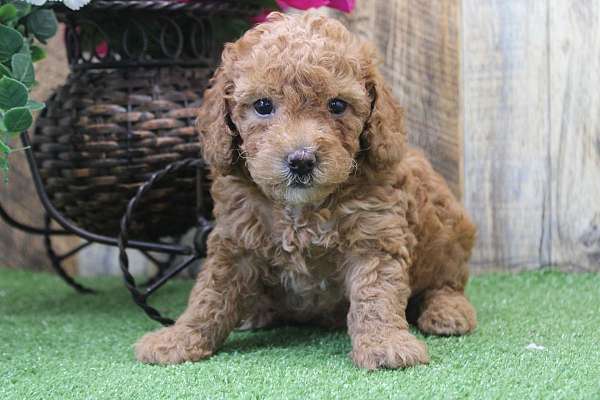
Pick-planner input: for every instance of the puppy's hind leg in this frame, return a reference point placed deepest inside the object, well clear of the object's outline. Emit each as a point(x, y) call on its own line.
point(446, 311)
point(442, 275)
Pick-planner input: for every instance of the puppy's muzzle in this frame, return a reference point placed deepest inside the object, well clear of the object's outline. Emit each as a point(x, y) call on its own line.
point(301, 163)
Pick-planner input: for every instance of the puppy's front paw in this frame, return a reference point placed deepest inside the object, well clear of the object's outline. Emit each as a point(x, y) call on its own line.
point(171, 345)
point(398, 349)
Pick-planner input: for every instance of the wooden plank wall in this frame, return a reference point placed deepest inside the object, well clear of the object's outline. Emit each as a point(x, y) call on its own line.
point(532, 131)
point(574, 101)
point(503, 96)
point(506, 145)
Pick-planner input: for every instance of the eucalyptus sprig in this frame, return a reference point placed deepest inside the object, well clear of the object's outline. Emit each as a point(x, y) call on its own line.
point(23, 28)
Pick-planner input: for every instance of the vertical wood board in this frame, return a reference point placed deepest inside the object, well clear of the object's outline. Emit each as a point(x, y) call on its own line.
point(575, 133)
point(506, 147)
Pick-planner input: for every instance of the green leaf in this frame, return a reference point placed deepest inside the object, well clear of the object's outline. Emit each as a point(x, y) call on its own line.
point(4, 71)
point(23, 8)
point(4, 149)
point(12, 93)
point(8, 12)
point(10, 42)
point(18, 119)
point(42, 23)
point(4, 153)
point(22, 68)
point(35, 105)
point(24, 48)
point(37, 53)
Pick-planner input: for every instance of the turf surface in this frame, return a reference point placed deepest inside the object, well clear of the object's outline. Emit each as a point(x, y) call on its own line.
point(538, 337)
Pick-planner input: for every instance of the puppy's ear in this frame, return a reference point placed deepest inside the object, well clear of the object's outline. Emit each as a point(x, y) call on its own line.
point(384, 137)
point(217, 132)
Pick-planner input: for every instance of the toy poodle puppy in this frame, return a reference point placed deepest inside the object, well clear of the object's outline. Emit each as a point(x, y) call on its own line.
point(323, 213)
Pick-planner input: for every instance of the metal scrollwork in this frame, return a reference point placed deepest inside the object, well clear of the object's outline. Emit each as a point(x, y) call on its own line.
point(134, 50)
point(201, 45)
point(171, 38)
point(115, 34)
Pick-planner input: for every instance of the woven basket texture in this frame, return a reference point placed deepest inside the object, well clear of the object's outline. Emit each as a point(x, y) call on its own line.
point(104, 133)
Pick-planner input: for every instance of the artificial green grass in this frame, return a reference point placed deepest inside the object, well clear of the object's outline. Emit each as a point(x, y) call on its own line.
point(56, 344)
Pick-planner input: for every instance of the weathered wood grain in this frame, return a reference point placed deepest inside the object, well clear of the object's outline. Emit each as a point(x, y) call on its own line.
point(506, 130)
point(575, 133)
point(419, 42)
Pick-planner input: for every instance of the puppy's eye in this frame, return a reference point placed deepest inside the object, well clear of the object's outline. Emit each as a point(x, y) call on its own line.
point(263, 106)
point(337, 106)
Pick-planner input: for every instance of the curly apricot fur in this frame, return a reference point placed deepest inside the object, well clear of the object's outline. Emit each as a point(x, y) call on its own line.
point(377, 226)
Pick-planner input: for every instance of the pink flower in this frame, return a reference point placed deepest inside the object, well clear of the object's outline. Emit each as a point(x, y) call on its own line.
point(342, 5)
point(102, 49)
point(301, 4)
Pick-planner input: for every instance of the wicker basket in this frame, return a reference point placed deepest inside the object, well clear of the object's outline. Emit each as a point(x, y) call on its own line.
point(129, 110)
point(105, 132)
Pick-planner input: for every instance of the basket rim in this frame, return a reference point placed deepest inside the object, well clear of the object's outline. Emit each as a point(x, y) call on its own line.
point(237, 7)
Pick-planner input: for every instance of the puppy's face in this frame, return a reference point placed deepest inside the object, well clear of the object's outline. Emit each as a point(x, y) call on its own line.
point(300, 105)
point(294, 102)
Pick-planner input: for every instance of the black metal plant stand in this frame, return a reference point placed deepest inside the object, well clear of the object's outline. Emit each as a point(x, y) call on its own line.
point(166, 270)
point(119, 135)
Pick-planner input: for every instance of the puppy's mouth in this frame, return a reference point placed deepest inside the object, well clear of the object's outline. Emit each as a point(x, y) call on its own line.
point(299, 181)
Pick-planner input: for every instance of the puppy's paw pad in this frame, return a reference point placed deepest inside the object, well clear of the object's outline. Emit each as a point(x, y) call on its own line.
point(170, 346)
point(399, 350)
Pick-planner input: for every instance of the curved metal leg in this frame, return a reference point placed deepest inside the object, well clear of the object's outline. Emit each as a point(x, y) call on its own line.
point(162, 267)
point(28, 228)
point(140, 297)
point(56, 260)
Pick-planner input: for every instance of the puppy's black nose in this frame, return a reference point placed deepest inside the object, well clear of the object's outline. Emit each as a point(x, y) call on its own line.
point(301, 162)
